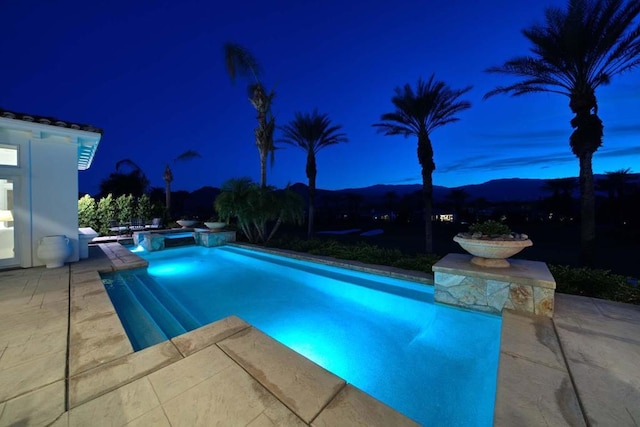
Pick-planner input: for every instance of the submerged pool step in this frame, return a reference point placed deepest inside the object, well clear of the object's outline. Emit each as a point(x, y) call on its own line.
point(162, 315)
point(186, 320)
point(139, 325)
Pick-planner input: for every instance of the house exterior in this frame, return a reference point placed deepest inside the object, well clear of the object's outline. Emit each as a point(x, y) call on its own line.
point(39, 162)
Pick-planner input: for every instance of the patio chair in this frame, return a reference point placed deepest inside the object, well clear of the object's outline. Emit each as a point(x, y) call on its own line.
point(115, 227)
point(155, 223)
point(136, 225)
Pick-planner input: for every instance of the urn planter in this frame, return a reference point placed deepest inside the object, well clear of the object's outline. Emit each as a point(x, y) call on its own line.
point(492, 253)
point(215, 225)
point(54, 250)
point(186, 223)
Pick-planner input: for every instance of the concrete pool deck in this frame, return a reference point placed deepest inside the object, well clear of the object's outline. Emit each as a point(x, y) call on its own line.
point(65, 361)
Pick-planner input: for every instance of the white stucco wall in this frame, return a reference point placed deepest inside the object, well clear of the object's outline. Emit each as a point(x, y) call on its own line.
point(54, 191)
point(45, 184)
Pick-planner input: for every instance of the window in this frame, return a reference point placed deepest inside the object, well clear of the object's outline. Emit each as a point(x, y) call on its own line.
point(8, 155)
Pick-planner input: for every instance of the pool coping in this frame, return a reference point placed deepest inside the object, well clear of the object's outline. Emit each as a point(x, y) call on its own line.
point(101, 359)
point(534, 382)
point(559, 399)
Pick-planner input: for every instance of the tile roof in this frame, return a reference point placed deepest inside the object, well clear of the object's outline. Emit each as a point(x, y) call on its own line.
point(52, 121)
point(87, 144)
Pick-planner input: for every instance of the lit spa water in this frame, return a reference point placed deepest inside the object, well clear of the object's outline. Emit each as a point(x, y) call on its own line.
point(434, 363)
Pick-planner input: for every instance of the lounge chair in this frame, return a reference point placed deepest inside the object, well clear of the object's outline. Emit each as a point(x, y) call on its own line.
point(116, 228)
point(136, 225)
point(155, 223)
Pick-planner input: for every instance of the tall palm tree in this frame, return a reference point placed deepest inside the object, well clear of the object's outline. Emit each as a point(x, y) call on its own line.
point(240, 62)
point(168, 175)
point(433, 104)
point(576, 51)
point(312, 132)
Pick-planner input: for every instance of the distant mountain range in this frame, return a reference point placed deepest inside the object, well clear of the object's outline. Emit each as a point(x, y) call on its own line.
point(498, 190)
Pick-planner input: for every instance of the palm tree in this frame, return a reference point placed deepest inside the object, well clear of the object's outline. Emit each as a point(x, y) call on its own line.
point(576, 51)
point(168, 175)
point(254, 206)
point(119, 183)
point(239, 61)
point(432, 105)
point(311, 132)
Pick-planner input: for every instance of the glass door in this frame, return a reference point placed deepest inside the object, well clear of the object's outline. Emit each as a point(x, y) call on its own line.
point(7, 233)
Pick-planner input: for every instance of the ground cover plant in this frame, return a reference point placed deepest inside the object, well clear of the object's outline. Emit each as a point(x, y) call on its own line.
point(582, 281)
point(361, 251)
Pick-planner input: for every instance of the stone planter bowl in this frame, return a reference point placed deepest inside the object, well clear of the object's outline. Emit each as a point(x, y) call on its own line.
point(186, 223)
point(215, 225)
point(492, 253)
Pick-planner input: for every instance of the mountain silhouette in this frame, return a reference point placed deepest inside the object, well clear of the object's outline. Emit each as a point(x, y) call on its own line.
point(494, 191)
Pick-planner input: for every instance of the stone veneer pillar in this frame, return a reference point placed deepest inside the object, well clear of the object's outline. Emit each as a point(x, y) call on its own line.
point(214, 238)
point(148, 240)
point(525, 286)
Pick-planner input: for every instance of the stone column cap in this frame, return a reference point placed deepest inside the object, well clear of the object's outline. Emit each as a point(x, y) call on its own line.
point(524, 272)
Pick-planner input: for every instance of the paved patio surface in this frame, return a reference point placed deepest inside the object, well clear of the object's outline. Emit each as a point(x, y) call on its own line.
point(65, 361)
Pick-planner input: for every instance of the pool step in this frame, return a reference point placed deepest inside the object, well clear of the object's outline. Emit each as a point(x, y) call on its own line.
point(139, 325)
point(178, 311)
point(162, 315)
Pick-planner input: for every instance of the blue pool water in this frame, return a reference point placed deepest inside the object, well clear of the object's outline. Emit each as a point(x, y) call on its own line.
point(434, 363)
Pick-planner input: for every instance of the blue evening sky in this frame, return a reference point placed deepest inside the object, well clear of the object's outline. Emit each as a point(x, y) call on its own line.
point(151, 74)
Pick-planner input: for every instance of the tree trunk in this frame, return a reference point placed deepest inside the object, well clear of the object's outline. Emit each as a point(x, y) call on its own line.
point(311, 174)
point(263, 168)
point(427, 191)
point(584, 141)
point(425, 157)
point(587, 211)
point(167, 197)
point(168, 177)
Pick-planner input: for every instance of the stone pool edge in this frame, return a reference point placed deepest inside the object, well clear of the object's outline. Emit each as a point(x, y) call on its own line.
point(101, 360)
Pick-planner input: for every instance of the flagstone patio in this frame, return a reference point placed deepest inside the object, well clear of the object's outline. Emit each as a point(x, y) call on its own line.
point(65, 361)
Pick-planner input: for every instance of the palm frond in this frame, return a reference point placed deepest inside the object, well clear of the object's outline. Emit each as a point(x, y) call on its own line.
point(312, 132)
point(431, 105)
point(240, 62)
point(577, 49)
point(187, 155)
point(127, 162)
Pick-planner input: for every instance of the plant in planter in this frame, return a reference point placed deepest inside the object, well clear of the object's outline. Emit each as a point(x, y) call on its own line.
point(491, 243)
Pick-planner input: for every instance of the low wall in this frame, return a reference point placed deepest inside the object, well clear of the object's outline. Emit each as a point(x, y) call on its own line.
point(154, 241)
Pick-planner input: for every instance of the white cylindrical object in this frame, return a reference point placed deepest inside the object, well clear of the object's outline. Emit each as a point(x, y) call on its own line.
point(54, 250)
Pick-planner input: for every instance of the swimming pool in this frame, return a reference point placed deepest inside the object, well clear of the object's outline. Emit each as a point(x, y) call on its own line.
point(434, 363)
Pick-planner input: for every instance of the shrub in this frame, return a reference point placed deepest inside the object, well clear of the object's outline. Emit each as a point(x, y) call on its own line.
point(125, 208)
point(362, 252)
point(594, 283)
point(571, 280)
point(88, 212)
point(144, 210)
point(490, 228)
point(106, 212)
point(422, 263)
